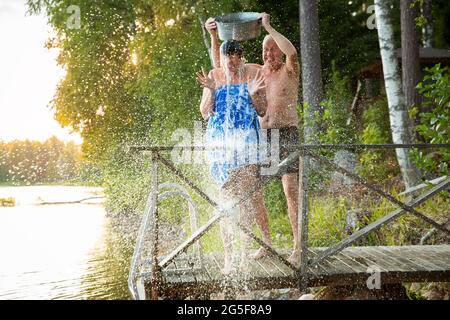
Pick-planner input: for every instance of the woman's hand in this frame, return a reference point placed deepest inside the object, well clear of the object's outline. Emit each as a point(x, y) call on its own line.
point(205, 81)
point(211, 26)
point(257, 84)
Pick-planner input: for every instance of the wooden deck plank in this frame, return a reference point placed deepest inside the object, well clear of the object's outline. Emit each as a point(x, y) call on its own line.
point(335, 265)
point(380, 257)
point(416, 262)
point(412, 258)
point(197, 271)
point(440, 257)
point(392, 259)
point(365, 258)
point(359, 260)
point(352, 265)
point(256, 270)
point(185, 271)
point(284, 269)
point(322, 272)
point(388, 259)
point(395, 264)
point(443, 256)
point(332, 264)
point(270, 272)
point(370, 257)
point(270, 261)
point(413, 255)
point(321, 268)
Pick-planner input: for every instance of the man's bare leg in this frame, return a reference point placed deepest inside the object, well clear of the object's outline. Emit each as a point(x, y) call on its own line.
point(262, 220)
point(290, 187)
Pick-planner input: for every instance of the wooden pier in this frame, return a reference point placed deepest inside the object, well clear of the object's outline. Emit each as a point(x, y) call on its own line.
point(187, 271)
point(186, 277)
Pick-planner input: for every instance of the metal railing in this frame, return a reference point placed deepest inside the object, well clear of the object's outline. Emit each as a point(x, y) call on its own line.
point(306, 153)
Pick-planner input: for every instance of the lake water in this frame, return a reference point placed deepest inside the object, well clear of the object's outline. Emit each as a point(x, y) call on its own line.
point(60, 251)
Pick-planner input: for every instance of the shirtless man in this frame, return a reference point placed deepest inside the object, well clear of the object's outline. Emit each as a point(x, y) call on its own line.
point(282, 80)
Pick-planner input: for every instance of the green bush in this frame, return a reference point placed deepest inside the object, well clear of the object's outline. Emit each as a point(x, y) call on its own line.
point(435, 123)
point(377, 165)
point(337, 129)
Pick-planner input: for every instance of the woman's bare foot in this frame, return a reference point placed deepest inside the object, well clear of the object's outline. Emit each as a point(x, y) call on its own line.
point(294, 258)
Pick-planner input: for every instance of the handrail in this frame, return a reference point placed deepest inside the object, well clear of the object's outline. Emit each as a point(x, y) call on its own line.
point(302, 151)
point(193, 214)
point(297, 147)
point(377, 224)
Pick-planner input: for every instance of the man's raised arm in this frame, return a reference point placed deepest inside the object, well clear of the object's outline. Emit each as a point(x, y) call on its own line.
point(283, 43)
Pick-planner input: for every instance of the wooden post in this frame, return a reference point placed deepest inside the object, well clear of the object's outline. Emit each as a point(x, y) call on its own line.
point(303, 212)
point(155, 282)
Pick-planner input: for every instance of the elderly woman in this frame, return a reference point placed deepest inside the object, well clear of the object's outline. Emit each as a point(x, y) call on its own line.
point(233, 98)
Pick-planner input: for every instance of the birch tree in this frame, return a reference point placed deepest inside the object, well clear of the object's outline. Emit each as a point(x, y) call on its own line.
point(398, 114)
point(427, 29)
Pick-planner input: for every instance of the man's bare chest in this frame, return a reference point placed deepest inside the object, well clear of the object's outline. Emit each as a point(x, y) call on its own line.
point(279, 86)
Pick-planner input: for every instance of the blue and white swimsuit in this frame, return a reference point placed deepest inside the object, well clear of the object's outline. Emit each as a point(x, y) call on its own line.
point(235, 126)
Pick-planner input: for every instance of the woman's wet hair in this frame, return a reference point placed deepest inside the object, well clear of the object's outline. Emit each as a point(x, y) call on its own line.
point(231, 47)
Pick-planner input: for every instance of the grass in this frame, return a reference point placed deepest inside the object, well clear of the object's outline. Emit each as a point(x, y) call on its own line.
point(327, 219)
point(328, 225)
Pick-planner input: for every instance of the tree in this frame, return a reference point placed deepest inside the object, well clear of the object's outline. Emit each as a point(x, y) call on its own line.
point(411, 72)
point(311, 67)
point(398, 114)
point(427, 28)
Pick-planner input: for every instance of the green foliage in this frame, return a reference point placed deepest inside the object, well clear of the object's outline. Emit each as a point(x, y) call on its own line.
point(377, 165)
point(327, 221)
point(7, 202)
point(441, 21)
point(27, 162)
point(434, 124)
point(274, 198)
point(345, 38)
point(336, 122)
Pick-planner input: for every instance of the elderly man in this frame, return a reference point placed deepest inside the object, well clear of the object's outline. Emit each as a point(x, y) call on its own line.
point(281, 118)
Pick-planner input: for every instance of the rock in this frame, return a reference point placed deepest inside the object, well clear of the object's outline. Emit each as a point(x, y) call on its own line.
point(355, 218)
point(348, 161)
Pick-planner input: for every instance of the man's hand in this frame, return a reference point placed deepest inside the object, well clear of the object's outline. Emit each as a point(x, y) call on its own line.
point(257, 84)
point(211, 26)
point(205, 81)
point(265, 19)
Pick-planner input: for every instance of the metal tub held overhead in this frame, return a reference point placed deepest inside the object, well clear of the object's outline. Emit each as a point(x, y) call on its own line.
point(239, 26)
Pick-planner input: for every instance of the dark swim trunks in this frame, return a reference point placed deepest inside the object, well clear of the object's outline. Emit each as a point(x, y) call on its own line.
point(288, 138)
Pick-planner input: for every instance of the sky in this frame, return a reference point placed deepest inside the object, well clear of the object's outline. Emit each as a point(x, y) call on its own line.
point(28, 76)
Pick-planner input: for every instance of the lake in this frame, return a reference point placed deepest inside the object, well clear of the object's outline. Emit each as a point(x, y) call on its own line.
point(60, 251)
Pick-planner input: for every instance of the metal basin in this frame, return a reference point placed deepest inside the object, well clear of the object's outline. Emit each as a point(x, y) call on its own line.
point(239, 26)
